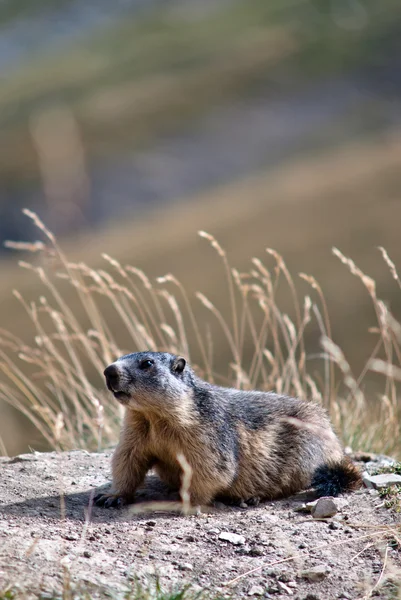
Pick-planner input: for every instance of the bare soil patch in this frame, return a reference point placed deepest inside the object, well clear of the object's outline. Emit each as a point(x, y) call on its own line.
point(48, 528)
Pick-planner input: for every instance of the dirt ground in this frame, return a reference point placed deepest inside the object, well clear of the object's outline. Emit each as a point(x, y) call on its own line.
point(49, 530)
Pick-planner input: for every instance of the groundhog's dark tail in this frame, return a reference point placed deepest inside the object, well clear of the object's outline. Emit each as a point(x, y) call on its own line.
point(331, 480)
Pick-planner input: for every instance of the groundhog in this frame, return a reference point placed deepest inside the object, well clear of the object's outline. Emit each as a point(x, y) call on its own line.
point(241, 445)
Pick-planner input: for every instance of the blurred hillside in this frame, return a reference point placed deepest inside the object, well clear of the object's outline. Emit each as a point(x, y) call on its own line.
point(129, 127)
point(142, 103)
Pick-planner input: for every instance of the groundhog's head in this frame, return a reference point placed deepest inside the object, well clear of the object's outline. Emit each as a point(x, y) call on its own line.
point(148, 379)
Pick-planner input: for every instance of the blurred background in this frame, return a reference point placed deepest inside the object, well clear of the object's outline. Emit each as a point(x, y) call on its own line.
point(130, 125)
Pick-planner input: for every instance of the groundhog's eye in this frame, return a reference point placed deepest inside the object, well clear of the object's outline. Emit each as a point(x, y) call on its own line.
point(146, 364)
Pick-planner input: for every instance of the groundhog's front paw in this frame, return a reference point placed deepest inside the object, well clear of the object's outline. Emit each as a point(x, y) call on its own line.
point(109, 499)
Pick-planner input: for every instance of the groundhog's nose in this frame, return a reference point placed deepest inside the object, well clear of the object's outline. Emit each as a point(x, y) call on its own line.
point(112, 375)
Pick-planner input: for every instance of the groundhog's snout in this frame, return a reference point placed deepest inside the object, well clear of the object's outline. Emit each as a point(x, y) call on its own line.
point(112, 375)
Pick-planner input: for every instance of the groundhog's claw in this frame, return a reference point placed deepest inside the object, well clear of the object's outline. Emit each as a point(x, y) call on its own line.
point(109, 500)
point(254, 501)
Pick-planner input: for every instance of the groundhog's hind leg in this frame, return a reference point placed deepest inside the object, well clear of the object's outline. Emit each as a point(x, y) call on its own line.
point(208, 484)
point(201, 492)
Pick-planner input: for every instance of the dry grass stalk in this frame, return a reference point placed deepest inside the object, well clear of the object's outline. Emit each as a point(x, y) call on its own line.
point(186, 483)
point(57, 381)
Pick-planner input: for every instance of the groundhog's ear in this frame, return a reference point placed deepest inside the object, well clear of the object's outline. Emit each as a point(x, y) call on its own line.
point(179, 364)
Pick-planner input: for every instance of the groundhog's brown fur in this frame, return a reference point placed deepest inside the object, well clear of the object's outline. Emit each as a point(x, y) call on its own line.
point(239, 445)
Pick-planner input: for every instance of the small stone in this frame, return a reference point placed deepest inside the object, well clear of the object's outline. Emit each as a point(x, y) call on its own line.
point(256, 551)
point(273, 589)
point(22, 458)
point(340, 502)
point(233, 538)
point(271, 573)
point(285, 588)
point(334, 525)
point(87, 554)
point(317, 573)
point(150, 523)
point(364, 457)
point(256, 590)
point(303, 508)
point(186, 567)
point(324, 507)
point(213, 530)
point(71, 537)
point(381, 481)
point(311, 597)
point(243, 550)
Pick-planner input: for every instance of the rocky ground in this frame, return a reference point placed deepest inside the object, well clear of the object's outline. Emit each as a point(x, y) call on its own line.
point(51, 537)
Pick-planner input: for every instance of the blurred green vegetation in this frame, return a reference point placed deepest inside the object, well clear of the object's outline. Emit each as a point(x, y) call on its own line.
point(14, 10)
point(142, 76)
